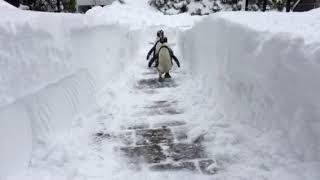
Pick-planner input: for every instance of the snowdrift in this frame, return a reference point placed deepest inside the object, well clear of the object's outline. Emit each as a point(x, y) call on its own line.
point(41, 116)
point(4, 4)
point(265, 80)
point(15, 139)
point(42, 48)
point(51, 68)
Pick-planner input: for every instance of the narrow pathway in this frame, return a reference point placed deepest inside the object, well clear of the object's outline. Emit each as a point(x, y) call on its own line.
point(143, 126)
point(159, 141)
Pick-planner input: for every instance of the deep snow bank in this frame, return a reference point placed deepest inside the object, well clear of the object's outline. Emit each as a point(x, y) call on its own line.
point(39, 48)
point(138, 15)
point(15, 139)
point(264, 79)
point(51, 67)
point(42, 116)
point(4, 4)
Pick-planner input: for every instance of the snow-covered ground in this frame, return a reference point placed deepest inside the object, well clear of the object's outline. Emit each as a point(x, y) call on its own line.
point(138, 14)
point(261, 78)
point(6, 5)
point(248, 81)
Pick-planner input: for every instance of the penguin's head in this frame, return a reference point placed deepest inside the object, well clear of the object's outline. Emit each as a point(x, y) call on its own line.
point(163, 40)
point(160, 33)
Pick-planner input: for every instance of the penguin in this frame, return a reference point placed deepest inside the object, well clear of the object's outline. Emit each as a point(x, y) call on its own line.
point(164, 59)
point(156, 45)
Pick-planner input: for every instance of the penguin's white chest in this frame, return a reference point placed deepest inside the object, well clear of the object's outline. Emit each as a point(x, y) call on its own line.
point(165, 63)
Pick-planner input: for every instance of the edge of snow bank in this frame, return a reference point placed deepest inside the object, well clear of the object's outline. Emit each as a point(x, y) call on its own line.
point(4, 4)
point(15, 139)
point(262, 80)
point(52, 67)
point(52, 109)
point(40, 117)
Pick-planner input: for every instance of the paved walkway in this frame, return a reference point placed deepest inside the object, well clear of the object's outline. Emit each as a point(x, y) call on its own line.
point(160, 140)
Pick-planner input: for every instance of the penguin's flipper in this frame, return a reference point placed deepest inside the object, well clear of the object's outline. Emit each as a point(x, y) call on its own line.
point(151, 61)
point(176, 60)
point(150, 51)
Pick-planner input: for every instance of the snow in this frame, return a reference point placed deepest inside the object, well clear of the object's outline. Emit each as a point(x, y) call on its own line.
point(261, 76)
point(6, 5)
point(294, 25)
point(15, 139)
point(54, 70)
point(248, 85)
point(29, 44)
point(138, 14)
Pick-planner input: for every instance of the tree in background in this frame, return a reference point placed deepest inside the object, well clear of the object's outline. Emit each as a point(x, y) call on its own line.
point(205, 7)
point(194, 7)
point(69, 6)
point(278, 4)
point(50, 5)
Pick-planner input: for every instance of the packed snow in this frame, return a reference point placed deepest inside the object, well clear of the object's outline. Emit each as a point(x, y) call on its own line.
point(138, 14)
point(262, 82)
point(6, 5)
point(248, 83)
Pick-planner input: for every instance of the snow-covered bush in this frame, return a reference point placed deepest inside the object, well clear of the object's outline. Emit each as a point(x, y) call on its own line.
point(194, 7)
point(278, 4)
point(205, 7)
point(50, 5)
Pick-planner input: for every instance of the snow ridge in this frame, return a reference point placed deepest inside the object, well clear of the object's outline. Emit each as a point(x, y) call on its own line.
point(260, 81)
point(248, 90)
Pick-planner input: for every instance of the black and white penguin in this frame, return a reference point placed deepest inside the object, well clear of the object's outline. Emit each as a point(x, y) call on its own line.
point(164, 59)
point(156, 45)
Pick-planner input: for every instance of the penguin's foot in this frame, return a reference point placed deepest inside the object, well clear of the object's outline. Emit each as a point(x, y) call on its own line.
point(160, 79)
point(167, 75)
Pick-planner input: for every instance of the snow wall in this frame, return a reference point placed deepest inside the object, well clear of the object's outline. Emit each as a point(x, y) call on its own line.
point(268, 81)
point(51, 68)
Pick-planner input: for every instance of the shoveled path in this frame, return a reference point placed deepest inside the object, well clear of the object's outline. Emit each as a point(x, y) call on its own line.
point(160, 140)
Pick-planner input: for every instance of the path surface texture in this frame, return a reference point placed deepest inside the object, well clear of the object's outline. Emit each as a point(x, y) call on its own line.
point(156, 133)
point(146, 129)
point(78, 101)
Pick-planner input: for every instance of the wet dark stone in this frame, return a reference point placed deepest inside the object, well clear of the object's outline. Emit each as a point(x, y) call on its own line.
point(155, 83)
point(183, 151)
point(204, 164)
point(124, 137)
point(161, 104)
point(150, 72)
point(199, 139)
point(170, 123)
point(164, 111)
point(138, 126)
point(180, 134)
point(172, 111)
point(154, 136)
point(102, 135)
point(149, 154)
point(174, 166)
